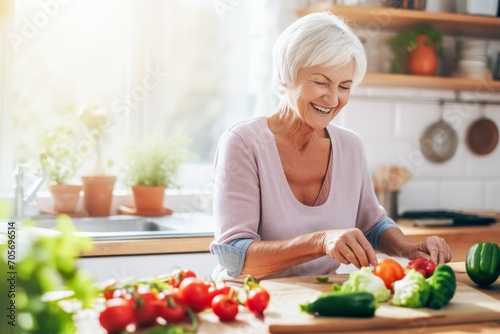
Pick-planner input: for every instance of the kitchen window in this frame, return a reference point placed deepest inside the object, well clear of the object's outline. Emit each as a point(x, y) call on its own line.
point(153, 65)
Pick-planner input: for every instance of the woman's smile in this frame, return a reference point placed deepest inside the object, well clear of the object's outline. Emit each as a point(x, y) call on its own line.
point(322, 110)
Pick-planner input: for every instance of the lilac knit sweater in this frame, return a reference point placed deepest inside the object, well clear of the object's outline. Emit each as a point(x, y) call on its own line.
point(252, 199)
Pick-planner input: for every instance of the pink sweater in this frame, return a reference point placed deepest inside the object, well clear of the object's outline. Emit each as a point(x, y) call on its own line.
point(252, 198)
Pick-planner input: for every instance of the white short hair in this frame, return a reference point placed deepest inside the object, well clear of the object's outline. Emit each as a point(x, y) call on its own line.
point(316, 39)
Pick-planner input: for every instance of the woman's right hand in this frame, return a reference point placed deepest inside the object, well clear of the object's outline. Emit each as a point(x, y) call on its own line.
point(349, 246)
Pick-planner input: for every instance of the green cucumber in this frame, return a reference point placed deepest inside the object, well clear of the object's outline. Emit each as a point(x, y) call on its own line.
point(342, 304)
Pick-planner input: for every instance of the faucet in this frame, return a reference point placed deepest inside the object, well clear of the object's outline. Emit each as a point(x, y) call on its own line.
point(21, 200)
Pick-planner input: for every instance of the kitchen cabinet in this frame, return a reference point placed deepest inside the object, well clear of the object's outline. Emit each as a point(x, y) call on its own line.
point(383, 18)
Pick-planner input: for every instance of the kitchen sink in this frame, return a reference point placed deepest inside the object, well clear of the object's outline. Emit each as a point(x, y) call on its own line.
point(177, 225)
point(107, 224)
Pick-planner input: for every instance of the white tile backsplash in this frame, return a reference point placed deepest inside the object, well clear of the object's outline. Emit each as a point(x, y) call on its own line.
point(391, 131)
point(410, 120)
point(492, 195)
point(370, 120)
point(454, 167)
point(419, 195)
point(462, 194)
point(387, 152)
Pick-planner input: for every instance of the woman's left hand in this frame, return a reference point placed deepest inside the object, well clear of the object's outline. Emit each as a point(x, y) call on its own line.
point(432, 248)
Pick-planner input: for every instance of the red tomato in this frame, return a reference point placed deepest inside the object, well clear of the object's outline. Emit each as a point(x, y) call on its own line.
point(417, 263)
point(118, 314)
point(423, 266)
point(422, 271)
point(179, 275)
point(145, 308)
point(429, 268)
point(170, 309)
point(257, 300)
point(109, 289)
point(194, 292)
point(389, 271)
point(225, 290)
point(224, 307)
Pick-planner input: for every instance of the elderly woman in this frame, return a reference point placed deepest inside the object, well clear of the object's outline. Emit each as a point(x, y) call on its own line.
point(293, 192)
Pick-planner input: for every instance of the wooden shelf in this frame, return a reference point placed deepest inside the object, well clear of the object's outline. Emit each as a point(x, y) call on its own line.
point(428, 82)
point(385, 18)
point(396, 19)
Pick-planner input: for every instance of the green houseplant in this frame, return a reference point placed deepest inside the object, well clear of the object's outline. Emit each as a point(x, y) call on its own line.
point(420, 46)
point(98, 186)
point(61, 158)
point(152, 166)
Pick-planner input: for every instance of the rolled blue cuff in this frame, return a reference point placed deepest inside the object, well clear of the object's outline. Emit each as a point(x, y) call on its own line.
point(232, 255)
point(377, 230)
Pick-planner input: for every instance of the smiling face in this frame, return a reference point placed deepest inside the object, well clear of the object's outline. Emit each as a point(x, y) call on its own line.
point(320, 93)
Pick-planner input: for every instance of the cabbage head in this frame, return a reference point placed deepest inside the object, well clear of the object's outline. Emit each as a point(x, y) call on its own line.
point(412, 291)
point(364, 280)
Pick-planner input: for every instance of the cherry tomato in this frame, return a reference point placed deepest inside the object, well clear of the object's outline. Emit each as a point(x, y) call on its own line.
point(423, 266)
point(179, 275)
point(422, 271)
point(145, 308)
point(109, 290)
point(225, 290)
point(194, 292)
point(389, 271)
point(257, 300)
point(119, 313)
point(224, 307)
point(429, 268)
point(170, 309)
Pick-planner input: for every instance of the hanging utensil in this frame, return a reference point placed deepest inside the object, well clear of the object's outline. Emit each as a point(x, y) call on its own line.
point(439, 140)
point(482, 135)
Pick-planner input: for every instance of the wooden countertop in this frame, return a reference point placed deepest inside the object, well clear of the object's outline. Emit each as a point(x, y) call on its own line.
point(149, 246)
point(460, 240)
point(410, 230)
point(248, 323)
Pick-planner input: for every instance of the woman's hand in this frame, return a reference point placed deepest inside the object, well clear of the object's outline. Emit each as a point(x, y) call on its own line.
point(432, 248)
point(349, 246)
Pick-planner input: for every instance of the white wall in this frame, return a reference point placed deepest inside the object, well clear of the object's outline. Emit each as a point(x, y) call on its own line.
point(390, 132)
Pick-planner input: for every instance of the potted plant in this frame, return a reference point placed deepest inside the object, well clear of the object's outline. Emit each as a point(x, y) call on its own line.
point(152, 164)
point(421, 45)
point(59, 155)
point(98, 186)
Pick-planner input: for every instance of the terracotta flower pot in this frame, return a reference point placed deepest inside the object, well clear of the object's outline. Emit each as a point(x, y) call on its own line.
point(65, 197)
point(148, 198)
point(98, 194)
point(423, 60)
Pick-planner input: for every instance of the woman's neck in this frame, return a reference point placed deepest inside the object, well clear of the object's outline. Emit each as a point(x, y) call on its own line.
point(286, 124)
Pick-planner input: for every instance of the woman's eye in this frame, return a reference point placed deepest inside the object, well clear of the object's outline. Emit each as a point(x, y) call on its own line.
point(344, 88)
point(321, 83)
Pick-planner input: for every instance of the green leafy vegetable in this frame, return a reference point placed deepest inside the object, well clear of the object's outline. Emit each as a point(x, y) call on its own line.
point(48, 264)
point(322, 279)
point(443, 284)
point(412, 291)
point(364, 280)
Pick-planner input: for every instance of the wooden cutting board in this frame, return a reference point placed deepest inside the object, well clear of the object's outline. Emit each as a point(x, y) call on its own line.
point(284, 316)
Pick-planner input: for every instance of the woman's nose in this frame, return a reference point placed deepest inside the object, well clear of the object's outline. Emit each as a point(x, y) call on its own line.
point(332, 97)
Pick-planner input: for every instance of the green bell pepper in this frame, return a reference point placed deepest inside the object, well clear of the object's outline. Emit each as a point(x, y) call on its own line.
point(483, 263)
